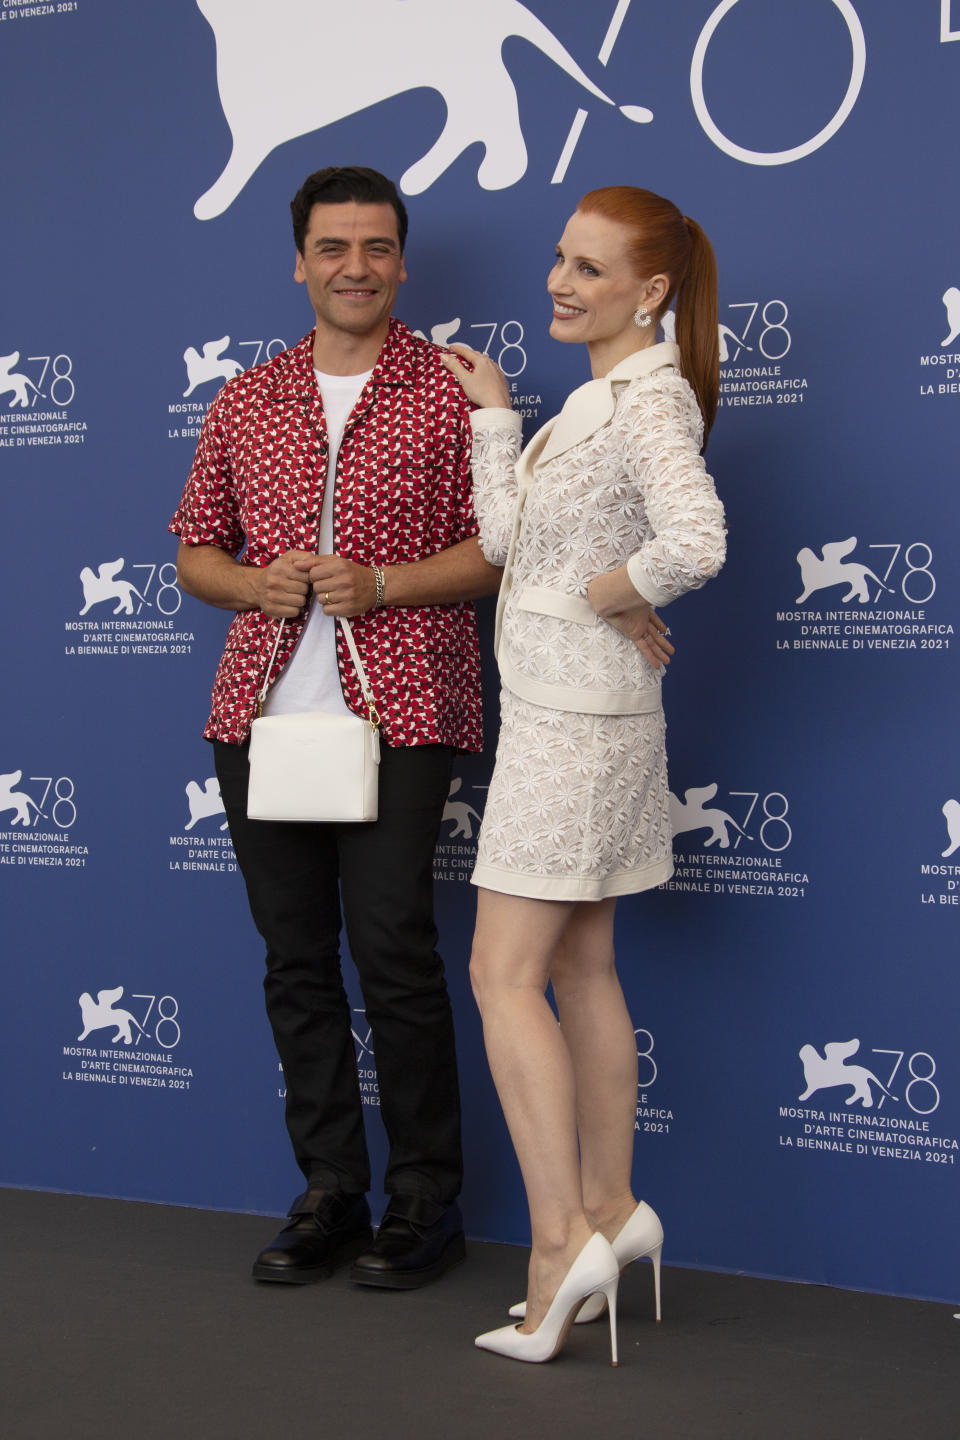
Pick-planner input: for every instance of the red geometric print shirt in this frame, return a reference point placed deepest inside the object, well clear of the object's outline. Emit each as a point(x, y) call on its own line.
point(402, 493)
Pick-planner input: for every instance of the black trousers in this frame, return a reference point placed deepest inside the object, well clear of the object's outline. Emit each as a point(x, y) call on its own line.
point(297, 878)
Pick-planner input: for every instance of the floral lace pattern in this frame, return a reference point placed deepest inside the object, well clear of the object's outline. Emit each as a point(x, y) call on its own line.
point(578, 807)
point(636, 492)
point(493, 458)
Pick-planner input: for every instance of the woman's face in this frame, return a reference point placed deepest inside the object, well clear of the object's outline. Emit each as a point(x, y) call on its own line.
point(594, 287)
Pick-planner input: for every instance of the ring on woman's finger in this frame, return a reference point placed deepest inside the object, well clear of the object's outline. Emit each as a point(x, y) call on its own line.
point(326, 597)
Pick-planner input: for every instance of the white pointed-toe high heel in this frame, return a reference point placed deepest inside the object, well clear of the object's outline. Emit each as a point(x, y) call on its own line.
point(595, 1269)
point(640, 1237)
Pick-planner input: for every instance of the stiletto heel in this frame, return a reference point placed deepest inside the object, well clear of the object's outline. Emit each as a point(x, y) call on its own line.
point(655, 1261)
point(610, 1291)
point(641, 1237)
point(595, 1268)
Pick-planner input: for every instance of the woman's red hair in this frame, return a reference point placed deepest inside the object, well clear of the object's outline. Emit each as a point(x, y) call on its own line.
point(664, 242)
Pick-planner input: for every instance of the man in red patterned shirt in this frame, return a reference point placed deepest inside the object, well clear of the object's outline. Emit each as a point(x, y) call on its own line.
point(338, 474)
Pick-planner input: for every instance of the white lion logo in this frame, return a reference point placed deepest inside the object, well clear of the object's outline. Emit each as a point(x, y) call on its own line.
point(951, 299)
point(951, 813)
point(204, 803)
point(104, 585)
point(100, 1014)
point(17, 800)
point(691, 815)
point(16, 383)
point(821, 573)
point(441, 334)
point(459, 813)
point(823, 1073)
point(281, 73)
point(725, 336)
point(212, 364)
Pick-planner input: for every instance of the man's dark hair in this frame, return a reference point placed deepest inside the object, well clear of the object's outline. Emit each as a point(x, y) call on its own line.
point(338, 184)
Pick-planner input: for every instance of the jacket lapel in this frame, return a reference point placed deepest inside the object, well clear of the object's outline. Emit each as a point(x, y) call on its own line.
point(591, 406)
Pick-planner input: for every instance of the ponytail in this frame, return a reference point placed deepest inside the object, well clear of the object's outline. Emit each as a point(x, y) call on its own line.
point(698, 325)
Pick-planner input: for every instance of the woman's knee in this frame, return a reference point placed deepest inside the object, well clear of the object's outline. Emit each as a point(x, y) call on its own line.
point(513, 944)
point(480, 972)
point(575, 967)
point(500, 974)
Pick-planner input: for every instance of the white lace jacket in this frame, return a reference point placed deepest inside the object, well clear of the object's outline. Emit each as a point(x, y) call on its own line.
point(616, 478)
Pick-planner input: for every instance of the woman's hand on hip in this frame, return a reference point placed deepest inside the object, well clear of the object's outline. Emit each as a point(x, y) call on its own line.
point(618, 603)
point(484, 383)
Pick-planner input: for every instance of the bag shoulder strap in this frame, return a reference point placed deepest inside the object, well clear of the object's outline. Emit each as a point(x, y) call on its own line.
point(372, 713)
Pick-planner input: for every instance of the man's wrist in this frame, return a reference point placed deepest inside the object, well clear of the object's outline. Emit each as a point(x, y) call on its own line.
point(250, 593)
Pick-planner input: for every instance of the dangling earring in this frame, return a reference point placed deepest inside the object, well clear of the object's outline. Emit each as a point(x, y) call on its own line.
point(642, 318)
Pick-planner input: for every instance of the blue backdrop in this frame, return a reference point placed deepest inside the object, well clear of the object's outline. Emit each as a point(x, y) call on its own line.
point(795, 988)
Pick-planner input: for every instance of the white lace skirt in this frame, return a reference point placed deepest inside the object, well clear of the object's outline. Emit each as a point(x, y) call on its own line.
point(578, 807)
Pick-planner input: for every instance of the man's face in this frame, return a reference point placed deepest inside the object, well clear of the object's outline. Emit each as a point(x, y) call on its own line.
point(352, 266)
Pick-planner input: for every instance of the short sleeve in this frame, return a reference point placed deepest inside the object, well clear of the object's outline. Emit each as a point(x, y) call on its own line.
point(209, 513)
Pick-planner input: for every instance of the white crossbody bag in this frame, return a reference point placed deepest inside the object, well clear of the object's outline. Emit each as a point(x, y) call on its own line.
point(312, 766)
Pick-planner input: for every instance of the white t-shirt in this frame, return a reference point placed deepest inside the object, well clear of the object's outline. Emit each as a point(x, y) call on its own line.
point(310, 680)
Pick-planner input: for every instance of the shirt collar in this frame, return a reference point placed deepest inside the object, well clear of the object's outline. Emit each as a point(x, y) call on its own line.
point(396, 363)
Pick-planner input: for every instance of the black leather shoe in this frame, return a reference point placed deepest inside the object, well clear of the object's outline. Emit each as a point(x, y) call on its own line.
point(326, 1228)
point(417, 1241)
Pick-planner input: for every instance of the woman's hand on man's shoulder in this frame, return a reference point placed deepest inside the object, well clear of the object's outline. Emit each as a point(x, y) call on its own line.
point(483, 382)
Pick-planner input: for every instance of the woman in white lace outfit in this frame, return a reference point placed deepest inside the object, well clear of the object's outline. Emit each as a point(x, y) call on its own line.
point(608, 512)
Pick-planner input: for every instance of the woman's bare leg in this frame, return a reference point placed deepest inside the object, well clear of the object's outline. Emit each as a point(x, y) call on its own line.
point(599, 1034)
point(510, 968)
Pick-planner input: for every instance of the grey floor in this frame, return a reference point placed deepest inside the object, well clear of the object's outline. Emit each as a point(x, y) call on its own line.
point(133, 1320)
